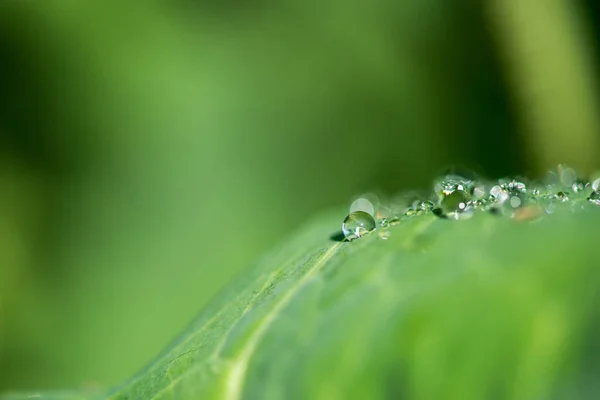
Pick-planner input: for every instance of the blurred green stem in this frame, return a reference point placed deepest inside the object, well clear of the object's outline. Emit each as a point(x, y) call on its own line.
point(550, 66)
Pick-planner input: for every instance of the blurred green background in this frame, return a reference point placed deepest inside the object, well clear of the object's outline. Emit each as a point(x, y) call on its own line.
point(150, 150)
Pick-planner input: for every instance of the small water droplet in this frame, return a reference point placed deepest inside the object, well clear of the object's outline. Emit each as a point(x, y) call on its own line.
point(384, 223)
point(495, 191)
point(420, 207)
point(395, 220)
point(410, 212)
point(513, 185)
point(426, 206)
point(456, 205)
point(595, 198)
point(595, 185)
point(451, 183)
point(578, 186)
point(562, 196)
point(481, 204)
point(357, 224)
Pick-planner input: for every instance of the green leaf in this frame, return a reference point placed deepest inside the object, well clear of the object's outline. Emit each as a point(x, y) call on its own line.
point(477, 309)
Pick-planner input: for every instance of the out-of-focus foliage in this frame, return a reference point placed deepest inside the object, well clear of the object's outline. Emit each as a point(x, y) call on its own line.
point(150, 150)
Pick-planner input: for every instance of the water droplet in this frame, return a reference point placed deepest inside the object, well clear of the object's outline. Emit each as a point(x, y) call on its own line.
point(578, 186)
point(495, 191)
point(562, 196)
point(456, 205)
point(357, 224)
point(595, 185)
point(362, 204)
point(513, 185)
point(410, 212)
point(394, 220)
point(595, 198)
point(420, 207)
point(478, 191)
point(426, 206)
point(451, 183)
point(481, 204)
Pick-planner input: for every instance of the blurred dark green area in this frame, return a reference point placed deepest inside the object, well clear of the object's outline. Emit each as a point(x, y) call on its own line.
point(151, 150)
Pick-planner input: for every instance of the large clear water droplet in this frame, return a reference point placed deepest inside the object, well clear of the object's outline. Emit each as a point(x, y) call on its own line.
point(456, 205)
point(357, 224)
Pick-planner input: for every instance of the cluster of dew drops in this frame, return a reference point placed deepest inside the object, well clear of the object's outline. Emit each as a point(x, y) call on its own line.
point(456, 197)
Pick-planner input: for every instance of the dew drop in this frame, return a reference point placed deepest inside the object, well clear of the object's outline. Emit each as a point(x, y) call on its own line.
point(514, 185)
point(578, 186)
point(357, 224)
point(595, 198)
point(595, 185)
point(420, 207)
point(456, 205)
point(450, 184)
point(426, 206)
point(562, 196)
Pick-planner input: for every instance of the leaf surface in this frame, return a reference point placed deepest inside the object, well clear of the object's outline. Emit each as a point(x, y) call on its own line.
point(483, 308)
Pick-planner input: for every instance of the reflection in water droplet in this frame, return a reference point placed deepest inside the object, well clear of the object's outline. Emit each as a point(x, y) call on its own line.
point(362, 204)
point(595, 198)
point(456, 205)
point(357, 224)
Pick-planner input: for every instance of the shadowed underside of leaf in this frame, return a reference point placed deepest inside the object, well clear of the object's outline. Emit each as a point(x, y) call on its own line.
point(483, 308)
